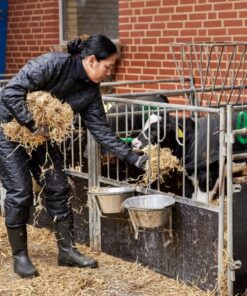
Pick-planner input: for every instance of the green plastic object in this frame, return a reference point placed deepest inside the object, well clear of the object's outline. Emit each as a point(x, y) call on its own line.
point(127, 140)
point(242, 123)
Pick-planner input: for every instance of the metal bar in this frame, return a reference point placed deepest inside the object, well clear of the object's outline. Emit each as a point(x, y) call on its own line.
point(118, 99)
point(217, 71)
point(228, 69)
point(116, 83)
point(93, 181)
point(177, 92)
point(239, 156)
point(230, 272)
point(80, 143)
point(236, 75)
point(196, 156)
point(208, 43)
point(184, 148)
point(206, 74)
point(208, 154)
point(222, 156)
point(181, 75)
point(241, 131)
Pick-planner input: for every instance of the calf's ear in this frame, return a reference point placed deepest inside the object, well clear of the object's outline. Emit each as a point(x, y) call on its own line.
point(162, 99)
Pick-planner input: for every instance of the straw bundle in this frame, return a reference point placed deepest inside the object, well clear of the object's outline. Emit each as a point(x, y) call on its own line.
point(162, 163)
point(47, 111)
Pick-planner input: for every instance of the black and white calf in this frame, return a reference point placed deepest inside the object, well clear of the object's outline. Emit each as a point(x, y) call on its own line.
point(127, 119)
point(201, 136)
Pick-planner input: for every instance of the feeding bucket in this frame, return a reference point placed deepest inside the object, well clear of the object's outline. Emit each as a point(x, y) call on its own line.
point(149, 211)
point(110, 198)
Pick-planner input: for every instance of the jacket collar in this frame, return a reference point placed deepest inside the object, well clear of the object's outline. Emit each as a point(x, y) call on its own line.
point(80, 72)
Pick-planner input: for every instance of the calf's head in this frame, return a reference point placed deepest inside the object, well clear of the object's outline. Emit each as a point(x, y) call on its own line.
point(158, 129)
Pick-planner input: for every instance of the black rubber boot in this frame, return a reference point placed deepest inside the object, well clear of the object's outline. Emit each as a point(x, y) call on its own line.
point(68, 255)
point(18, 242)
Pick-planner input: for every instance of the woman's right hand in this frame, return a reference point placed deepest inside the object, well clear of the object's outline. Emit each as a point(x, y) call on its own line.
point(42, 131)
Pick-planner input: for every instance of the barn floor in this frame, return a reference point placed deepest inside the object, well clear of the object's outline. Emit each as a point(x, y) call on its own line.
point(113, 277)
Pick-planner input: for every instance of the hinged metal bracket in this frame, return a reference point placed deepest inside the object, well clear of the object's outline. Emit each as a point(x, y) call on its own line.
point(229, 139)
point(237, 188)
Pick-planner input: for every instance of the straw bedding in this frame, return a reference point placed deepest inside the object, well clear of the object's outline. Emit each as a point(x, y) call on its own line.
point(47, 111)
point(113, 277)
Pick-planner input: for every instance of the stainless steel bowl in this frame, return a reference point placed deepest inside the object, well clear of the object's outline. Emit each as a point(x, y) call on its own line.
point(149, 211)
point(110, 199)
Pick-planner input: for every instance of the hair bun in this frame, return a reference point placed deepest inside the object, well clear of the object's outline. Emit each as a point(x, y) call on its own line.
point(76, 46)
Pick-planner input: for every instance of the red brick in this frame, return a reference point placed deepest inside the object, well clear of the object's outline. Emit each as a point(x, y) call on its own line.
point(141, 56)
point(237, 31)
point(145, 48)
point(157, 26)
point(194, 24)
point(166, 10)
point(154, 33)
point(131, 77)
point(141, 26)
point(127, 12)
point(134, 70)
point(215, 32)
point(123, 4)
point(149, 41)
point(173, 25)
point(197, 16)
point(139, 4)
point(151, 11)
point(223, 6)
point(153, 64)
point(240, 5)
point(137, 34)
point(145, 19)
point(138, 63)
point(156, 3)
point(233, 23)
point(216, 23)
point(182, 2)
point(180, 9)
point(228, 15)
point(179, 17)
point(157, 56)
point(151, 71)
point(205, 7)
point(170, 2)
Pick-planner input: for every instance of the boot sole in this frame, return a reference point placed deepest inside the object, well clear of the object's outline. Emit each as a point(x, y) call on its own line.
point(29, 276)
point(68, 264)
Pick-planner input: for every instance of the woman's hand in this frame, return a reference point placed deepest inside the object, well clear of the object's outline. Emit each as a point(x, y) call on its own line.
point(42, 131)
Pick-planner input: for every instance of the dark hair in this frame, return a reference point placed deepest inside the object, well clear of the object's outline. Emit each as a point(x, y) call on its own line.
point(98, 45)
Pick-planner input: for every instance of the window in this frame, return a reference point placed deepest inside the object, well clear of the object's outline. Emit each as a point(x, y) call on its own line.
point(89, 17)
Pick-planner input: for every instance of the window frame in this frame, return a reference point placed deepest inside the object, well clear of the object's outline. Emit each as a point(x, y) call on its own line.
point(61, 25)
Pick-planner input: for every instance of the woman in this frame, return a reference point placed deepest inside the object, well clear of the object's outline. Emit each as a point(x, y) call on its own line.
point(72, 77)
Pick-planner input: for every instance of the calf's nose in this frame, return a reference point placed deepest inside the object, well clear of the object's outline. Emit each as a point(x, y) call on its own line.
point(136, 143)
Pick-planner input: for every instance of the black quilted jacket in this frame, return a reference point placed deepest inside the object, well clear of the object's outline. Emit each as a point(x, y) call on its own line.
point(62, 75)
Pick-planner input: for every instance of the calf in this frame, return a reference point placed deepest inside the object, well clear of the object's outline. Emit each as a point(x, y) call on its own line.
point(173, 131)
point(126, 119)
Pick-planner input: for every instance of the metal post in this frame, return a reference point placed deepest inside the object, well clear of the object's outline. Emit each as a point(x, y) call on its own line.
point(230, 140)
point(222, 157)
point(93, 180)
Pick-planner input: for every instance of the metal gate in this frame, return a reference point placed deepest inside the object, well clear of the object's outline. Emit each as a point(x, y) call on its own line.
point(217, 81)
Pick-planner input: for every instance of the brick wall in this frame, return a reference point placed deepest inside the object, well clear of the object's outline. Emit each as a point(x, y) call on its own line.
point(147, 27)
point(33, 26)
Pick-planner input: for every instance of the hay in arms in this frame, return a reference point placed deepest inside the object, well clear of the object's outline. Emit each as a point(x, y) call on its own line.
point(162, 163)
point(113, 277)
point(47, 111)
